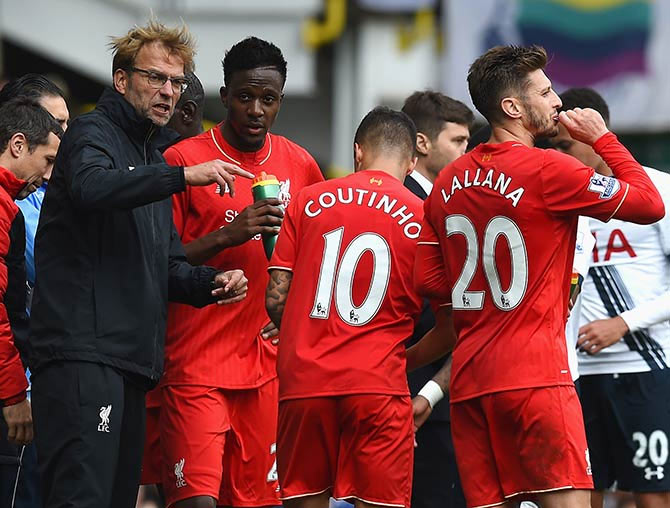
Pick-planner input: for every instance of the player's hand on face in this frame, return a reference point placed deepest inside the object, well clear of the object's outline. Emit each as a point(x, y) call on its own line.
point(270, 331)
point(262, 217)
point(585, 125)
point(421, 410)
point(231, 287)
point(19, 420)
point(215, 171)
point(602, 333)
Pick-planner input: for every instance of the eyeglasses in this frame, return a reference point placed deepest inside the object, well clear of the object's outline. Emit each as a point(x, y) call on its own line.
point(157, 80)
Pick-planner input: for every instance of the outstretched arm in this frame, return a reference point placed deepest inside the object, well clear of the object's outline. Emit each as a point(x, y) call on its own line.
point(276, 294)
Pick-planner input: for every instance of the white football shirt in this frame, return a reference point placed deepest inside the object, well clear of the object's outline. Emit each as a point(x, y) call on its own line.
point(630, 276)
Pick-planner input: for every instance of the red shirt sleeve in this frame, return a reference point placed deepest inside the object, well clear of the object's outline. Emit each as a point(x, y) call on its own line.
point(180, 200)
point(429, 269)
point(13, 382)
point(569, 187)
point(285, 250)
point(643, 204)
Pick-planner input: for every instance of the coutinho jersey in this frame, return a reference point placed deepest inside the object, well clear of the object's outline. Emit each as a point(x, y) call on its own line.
point(221, 346)
point(350, 243)
point(505, 217)
point(630, 275)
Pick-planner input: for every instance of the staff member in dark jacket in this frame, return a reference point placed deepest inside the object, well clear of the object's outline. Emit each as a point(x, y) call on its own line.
point(108, 259)
point(443, 128)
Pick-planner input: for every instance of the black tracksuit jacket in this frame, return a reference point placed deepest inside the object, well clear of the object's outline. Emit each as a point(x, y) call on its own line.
point(107, 255)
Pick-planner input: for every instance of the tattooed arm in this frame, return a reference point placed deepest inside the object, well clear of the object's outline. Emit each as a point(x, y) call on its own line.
point(276, 293)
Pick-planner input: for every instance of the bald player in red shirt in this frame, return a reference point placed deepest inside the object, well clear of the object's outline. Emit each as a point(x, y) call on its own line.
point(498, 240)
point(346, 252)
point(219, 389)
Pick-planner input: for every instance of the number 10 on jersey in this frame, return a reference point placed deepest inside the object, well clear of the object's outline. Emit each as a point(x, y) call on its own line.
point(337, 275)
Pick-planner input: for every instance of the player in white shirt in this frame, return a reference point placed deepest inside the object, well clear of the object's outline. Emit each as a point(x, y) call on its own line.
point(624, 341)
point(580, 267)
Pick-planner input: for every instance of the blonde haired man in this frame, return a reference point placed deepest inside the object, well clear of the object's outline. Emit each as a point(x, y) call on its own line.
point(108, 259)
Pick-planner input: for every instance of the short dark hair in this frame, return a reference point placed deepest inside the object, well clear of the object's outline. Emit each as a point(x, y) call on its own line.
point(387, 129)
point(500, 71)
point(194, 92)
point(430, 110)
point(26, 116)
point(33, 86)
point(252, 53)
point(585, 98)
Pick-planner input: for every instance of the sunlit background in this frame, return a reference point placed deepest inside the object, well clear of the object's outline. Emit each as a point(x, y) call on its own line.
point(346, 56)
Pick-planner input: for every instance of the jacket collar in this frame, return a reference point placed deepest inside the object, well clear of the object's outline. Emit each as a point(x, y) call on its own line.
point(10, 183)
point(122, 113)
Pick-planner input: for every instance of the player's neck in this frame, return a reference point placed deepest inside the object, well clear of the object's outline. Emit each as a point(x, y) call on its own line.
point(387, 165)
point(511, 132)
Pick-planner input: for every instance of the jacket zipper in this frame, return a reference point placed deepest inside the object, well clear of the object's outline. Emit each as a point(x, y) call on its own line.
point(153, 238)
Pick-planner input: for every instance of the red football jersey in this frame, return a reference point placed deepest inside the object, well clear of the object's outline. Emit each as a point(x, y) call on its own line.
point(505, 217)
point(345, 323)
point(221, 346)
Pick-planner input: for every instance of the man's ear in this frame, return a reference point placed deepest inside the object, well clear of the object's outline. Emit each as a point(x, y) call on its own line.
point(412, 165)
point(223, 93)
point(358, 156)
point(281, 100)
point(423, 144)
point(188, 110)
point(18, 145)
point(512, 107)
point(121, 79)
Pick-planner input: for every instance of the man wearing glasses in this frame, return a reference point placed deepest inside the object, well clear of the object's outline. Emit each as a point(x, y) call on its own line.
point(108, 259)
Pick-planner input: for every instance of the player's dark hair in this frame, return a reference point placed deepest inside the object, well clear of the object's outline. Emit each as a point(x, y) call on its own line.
point(585, 98)
point(34, 86)
point(194, 92)
point(430, 110)
point(389, 130)
point(502, 72)
point(252, 53)
point(26, 116)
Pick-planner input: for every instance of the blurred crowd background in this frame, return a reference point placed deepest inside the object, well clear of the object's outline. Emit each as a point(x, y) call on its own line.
point(346, 56)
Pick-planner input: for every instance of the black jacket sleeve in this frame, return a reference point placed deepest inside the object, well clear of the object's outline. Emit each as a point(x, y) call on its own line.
point(94, 182)
point(187, 283)
point(16, 294)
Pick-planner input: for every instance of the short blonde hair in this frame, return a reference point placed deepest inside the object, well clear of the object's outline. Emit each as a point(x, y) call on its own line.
point(178, 40)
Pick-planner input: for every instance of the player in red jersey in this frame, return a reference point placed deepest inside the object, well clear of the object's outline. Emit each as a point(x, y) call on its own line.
point(219, 388)
point(498, 238)
point(345, 417)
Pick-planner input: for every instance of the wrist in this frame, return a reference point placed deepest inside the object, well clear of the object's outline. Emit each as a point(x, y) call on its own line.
point(432, 392)
point(605, 139)
point(623, 325)
point(222, 239)
point(19, 397)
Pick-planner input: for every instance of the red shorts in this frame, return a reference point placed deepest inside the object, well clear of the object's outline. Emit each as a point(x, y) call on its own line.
point(151, 460)
point(354, 446)
point(220, 443)
point(520, 441)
